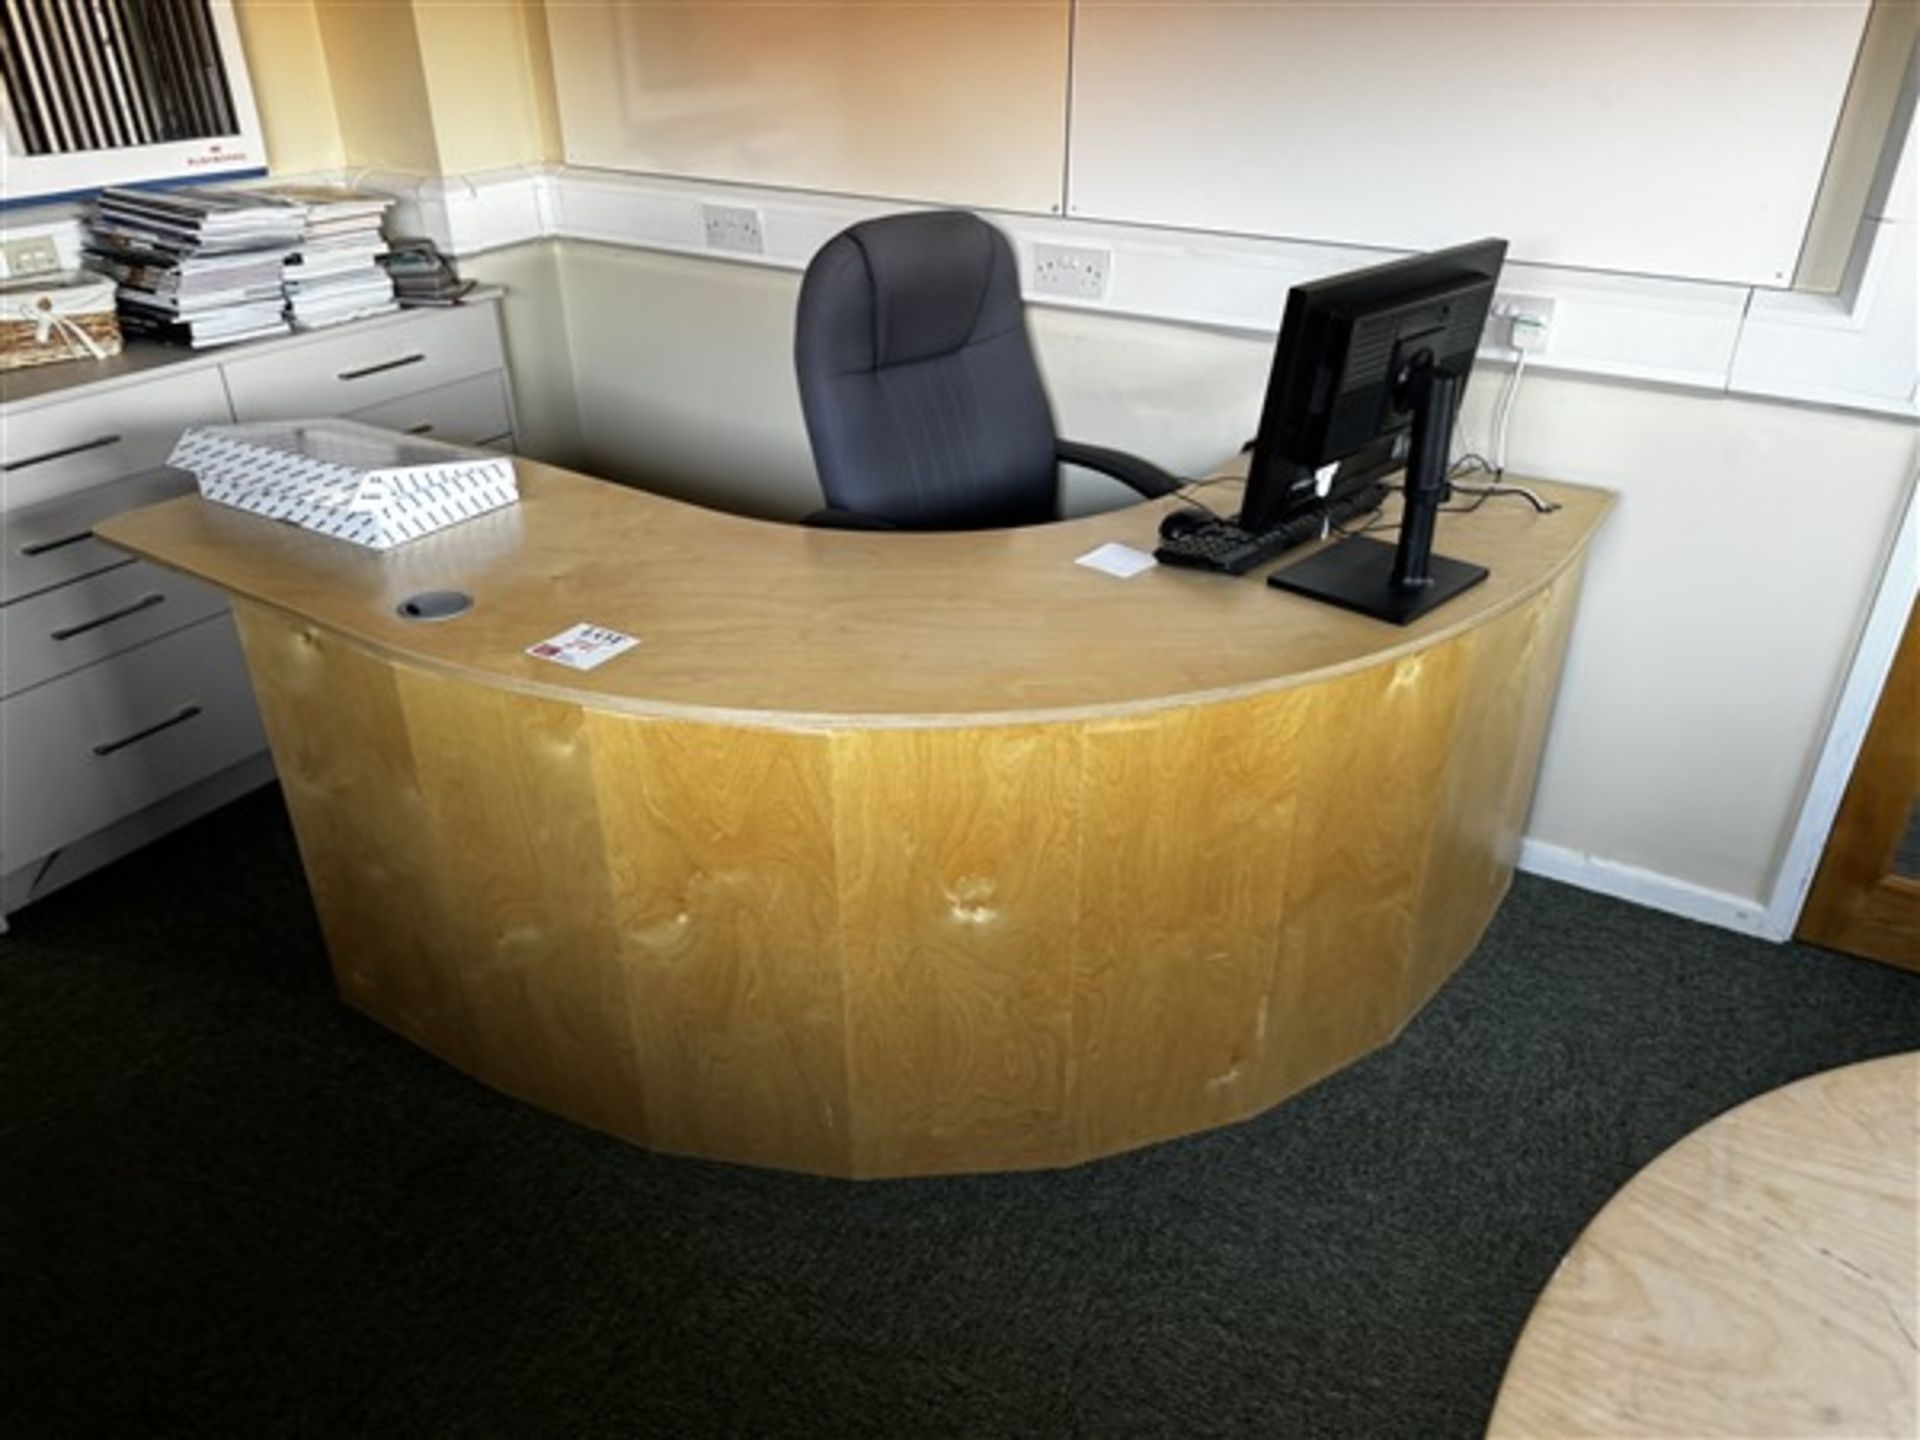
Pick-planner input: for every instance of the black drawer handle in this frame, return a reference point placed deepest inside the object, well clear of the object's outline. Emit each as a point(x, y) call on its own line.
point(99, 443)
point(145, 602)
point(423, 428)
point(185, 713)
point(367, 370)
point(41, 547)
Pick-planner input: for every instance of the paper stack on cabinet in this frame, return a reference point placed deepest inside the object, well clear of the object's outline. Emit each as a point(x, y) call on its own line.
point(335, 274)
point(192, 265)
point(355, 482)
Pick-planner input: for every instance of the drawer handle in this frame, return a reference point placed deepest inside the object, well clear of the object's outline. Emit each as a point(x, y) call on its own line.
point(185, 713)
point(145, 602)
point(367, 370)
point(423, 428)
point(99, 443)
point(41, 547)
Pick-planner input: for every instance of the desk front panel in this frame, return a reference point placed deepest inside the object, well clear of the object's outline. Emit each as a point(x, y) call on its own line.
point(871, 951)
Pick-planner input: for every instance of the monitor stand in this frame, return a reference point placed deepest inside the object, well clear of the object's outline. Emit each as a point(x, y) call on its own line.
point(1399, 583)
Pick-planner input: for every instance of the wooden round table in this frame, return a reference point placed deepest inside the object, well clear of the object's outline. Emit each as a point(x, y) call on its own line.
point(1759, 1278)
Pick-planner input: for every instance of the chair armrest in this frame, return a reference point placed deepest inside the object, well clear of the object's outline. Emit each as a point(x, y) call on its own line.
point(831, 519)
point(1142, 475)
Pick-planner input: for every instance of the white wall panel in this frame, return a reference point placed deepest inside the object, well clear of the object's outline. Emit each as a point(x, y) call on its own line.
point(1666, 139)
point(918, 99)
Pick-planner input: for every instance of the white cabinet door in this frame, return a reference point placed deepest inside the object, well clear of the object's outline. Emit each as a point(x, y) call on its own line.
point(89, 748)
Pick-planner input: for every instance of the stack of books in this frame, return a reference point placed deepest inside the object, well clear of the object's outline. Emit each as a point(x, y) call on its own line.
point(335, 274)
point(199, 266)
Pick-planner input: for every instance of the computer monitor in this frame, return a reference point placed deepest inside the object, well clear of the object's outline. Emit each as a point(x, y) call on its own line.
point(1360, 358)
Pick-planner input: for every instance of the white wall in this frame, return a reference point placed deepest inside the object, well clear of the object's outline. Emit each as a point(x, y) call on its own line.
point(1722, 600)
point(539, 351)
point(684, 376)
point(1561, 124)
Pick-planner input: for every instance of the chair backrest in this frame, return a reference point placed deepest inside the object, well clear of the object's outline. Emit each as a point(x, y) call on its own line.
point(923, 402)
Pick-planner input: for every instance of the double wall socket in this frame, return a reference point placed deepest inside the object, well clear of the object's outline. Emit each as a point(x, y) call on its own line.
point(34, 255)
point(1077, 272)
point(735, 228)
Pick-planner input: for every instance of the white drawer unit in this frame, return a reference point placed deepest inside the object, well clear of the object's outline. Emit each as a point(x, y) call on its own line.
point(103, 742)
point(52, 544)
point(53, 449)
point(63, 630)
point(354, 367)
point(468, 412)
point(125, 708)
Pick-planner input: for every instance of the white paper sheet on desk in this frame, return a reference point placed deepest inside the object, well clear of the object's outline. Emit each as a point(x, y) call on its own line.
point(1121, 561)
point(583, 646)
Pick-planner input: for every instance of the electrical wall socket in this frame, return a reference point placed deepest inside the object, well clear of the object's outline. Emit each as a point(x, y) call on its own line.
point(1508, 306)
point(1075, 271)
point(735, 228)
point(33, 256)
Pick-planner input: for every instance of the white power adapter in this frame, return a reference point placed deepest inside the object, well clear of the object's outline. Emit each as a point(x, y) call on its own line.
point(1527, 332)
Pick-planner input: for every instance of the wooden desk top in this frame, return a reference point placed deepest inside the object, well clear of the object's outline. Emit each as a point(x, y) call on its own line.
point(1759, 1278)
point(752, 622)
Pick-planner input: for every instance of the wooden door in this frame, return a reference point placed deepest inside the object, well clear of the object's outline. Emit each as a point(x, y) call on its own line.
point(1866, 896)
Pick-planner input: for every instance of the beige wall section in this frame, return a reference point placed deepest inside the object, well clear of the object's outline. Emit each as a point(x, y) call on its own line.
point(539, 353)
point(418, 86)
point(373, 55)
point(291, 86)
point(546, 100)
point(488, 82)
point(920, 99)
point(1717, 621)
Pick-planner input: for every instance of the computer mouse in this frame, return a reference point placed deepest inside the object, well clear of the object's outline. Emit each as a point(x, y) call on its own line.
point(1184, 521)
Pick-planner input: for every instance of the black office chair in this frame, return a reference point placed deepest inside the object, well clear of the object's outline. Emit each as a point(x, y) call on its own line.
point(923, 402)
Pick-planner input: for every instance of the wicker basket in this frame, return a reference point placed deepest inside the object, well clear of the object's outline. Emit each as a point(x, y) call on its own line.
point(57, 317)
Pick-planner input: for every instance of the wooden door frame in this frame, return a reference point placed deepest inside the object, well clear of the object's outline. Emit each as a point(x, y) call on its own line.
point(1853, 715)
point(1859, 904)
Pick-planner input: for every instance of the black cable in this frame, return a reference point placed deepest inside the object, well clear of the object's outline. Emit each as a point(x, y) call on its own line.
point(1185, 493)
point(1489, 492)
point(1372, 523)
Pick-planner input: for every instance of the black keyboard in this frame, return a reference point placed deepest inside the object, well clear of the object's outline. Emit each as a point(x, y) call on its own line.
point(1222, 546)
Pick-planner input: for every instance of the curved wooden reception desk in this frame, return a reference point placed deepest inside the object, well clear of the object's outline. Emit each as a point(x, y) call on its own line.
point(886, 854)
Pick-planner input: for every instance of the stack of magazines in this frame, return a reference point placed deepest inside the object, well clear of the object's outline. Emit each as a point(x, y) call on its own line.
point(199, 266)
point(335, 275)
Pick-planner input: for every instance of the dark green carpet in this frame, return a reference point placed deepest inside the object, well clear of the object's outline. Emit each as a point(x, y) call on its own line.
point(228, 1206)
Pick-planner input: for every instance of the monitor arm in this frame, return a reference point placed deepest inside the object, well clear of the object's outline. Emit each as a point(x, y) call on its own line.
point(1400, 583)
point(1433, 394)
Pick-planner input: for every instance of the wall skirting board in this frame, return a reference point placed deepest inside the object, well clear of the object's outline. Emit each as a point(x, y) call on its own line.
point(1645, 887)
